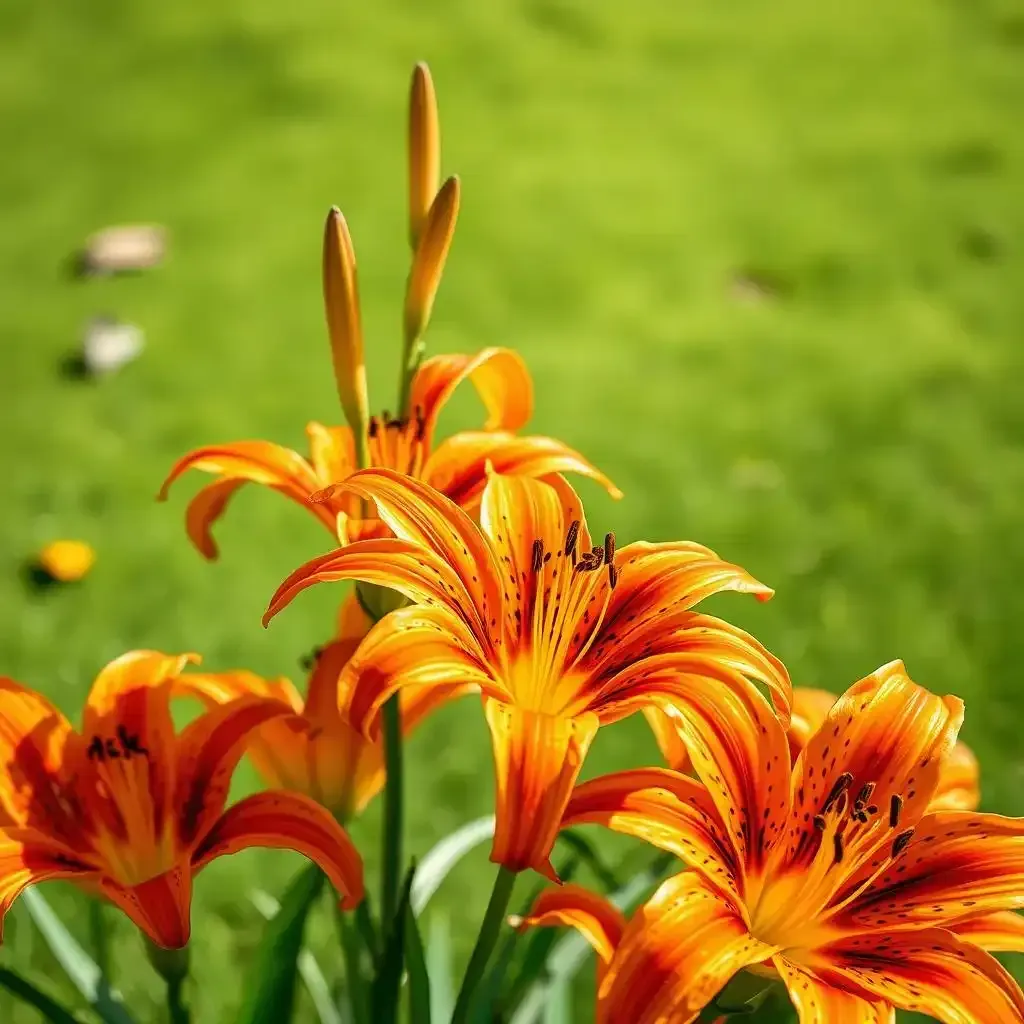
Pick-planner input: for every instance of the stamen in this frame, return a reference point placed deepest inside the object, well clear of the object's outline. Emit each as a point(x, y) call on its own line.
point(571, 537)
point(609, 547)
point(901, 842)
point(819, 822)
point(895, 806)
point(538, 555)
point(597, 553)
point(863, 796)
point(613, 576)
point(839, 787)
point(837, 841)
point(373, 427)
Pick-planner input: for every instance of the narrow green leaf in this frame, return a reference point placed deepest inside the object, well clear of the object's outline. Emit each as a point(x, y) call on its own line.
point(583, 849)
point(309, 969)
point(367, 928)
point(99, 933)
point(437, 864)
point(357, 967)
point(83, 971)
point(558, 1009)
point(416, 965)
point(571, 951)
point(387, 984)
point(439, 968)
point(31, 994)
point(271, 982)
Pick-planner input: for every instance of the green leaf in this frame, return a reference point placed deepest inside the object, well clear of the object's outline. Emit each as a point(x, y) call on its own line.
point(559, 1009)
point(589, 856)
point(357, 971)
point(416, 965)
point(309, 969)
point(270, 985)
point(387, 984)
point(571, 951)
point(439, 968)
point(30, 993)
point(437, 864)
point(83, 971)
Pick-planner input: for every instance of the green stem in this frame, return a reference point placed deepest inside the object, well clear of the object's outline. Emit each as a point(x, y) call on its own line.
point(485, 942)
point(393, 787)
point(412, 356)
point(362, 447)
point(176, 1007)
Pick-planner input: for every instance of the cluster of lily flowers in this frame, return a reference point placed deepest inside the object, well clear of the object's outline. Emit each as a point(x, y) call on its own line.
point(830, 844)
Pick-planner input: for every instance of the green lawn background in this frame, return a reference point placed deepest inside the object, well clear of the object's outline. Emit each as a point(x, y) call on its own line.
point(854, 440)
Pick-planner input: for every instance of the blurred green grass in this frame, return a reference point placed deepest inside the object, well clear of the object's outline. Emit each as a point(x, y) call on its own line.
point(764, 263)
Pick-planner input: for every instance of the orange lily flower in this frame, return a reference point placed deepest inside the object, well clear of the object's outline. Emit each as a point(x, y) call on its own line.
point(560, 636)
point(319, 752)
point(957, 789)
point(130, 810)
point(406, 443)
point(457, 466)
point(832, 874)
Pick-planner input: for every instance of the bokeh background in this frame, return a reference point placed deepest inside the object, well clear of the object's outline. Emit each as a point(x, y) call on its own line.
point(764, 262)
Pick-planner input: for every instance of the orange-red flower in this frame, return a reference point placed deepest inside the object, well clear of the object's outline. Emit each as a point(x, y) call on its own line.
point(130, 809)
point(957, 789)
point(560, 635)
point(457, 466)
point(832, 874)
point(319, 752)
point(406, 442)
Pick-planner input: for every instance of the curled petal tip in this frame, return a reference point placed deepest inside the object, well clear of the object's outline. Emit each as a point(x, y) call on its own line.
point(324, 494)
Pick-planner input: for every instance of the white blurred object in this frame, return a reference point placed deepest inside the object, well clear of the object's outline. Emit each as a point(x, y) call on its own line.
point(108, 344)
point(123, 248)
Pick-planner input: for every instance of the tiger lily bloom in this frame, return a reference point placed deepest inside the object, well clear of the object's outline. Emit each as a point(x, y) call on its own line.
point(560, 636)
point(957, 789)
point(406, 442)
point(832, 873)
point(319, 752)
point(131, 810)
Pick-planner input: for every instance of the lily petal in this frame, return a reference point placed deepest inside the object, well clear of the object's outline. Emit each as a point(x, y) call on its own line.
point(33, 737)
point(957, 865)
point(161, 907)
point(416, 512)
point(287, 821)
point(676, 953)
point(402, 565)
point(258, 462)
point(818, 1002)
point(332, 452)
point(886, 732)
point(929, 971)
point(499, 375)
point(413, 647)
point(670, 811)
point(810, 709)
point(601, 923)
point(208, 751)
point(959, 782)
point(27, 857)
point(458, 466)
point(537, 759)
point(999, 932)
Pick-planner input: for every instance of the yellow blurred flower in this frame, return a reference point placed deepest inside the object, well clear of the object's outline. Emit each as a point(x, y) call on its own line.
point(66, 560)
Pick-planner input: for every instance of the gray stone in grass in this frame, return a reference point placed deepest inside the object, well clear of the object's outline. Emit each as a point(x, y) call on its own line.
point(108, 344)
point(124, 248)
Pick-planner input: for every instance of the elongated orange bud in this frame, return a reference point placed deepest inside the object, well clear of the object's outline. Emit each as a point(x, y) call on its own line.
point(341, 301)
point(424, 150)
point(429, 259)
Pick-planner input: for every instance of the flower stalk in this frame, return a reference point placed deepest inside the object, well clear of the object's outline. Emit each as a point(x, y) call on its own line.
point(494, 917)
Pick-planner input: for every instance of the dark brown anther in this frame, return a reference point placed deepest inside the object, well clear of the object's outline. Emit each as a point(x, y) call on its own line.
point(421, 427)
point(609, 547)
point(901, 842)
point(819, 822)
point(613, 576)
point(839, 787)
point(96, 750)
point(895, 806)
point(837, 842)
point(597, 553)
point(863, 796)
point(538, 555)
point(572, 536)
point(131, 743)
point(373, 426)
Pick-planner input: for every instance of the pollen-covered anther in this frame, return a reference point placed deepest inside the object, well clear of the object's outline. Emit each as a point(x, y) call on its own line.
point(901, 842)
point(895, 807)
point(571, 537)
point(538, 555)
